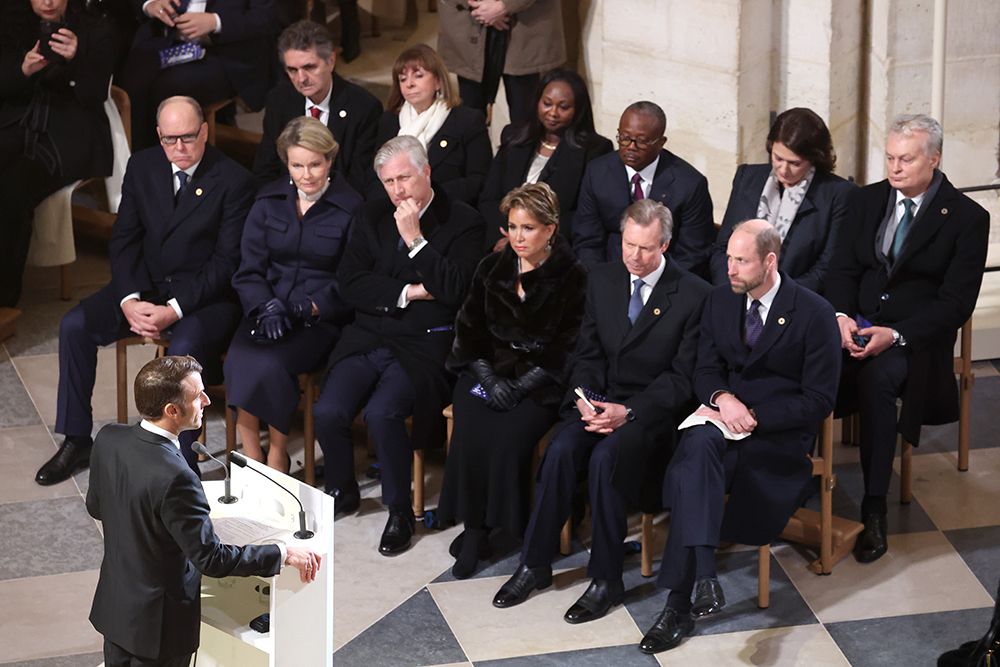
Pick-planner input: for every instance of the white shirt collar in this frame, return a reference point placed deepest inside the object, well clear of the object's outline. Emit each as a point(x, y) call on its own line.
point(426, 206)
point(153, 428)
point(189, 171)
point(647, 173)
point(917, 201)
point(324, 106)
point(653, 277)
point(766, 300)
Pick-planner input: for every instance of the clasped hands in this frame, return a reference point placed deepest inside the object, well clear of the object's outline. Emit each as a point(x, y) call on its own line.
point(275, 317)
point(63, 42)
point(492, 13)
point(879, 338)
point(148, 319)
point(607, 418)
point(191, 25)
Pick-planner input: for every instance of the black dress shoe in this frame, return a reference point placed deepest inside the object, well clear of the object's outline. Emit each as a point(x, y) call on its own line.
point(398, 531)
point(872, 542)
point(346, 500)
point(73, 455)
point(519, 587)
point(670, 628)
point(708, 597)
point(595, 602)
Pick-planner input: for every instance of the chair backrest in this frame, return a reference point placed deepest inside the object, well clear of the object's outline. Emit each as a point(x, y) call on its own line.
point(121, 100)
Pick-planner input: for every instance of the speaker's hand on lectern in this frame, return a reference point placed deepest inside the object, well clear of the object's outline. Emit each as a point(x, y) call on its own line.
point(305, 561)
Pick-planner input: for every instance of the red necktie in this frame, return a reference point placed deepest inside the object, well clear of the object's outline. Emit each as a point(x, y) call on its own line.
point(315, 112)
point(637, 188)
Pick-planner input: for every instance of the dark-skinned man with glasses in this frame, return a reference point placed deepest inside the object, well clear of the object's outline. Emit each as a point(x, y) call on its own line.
point(174, 248)
point(643, 169)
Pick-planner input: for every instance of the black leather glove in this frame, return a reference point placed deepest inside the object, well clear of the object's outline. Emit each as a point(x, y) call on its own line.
point(532, 380)
point(272, 320)
point(302, 310)
point(501, 394)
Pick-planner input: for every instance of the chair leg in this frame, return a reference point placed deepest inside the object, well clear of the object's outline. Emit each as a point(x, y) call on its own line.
point(764, 576)
point(827, 483)
point(646, 541)
point(65, 283)
point(964, 416)
point(418, 483)
point(566, 538)
point(121, 372)
point(906, 473)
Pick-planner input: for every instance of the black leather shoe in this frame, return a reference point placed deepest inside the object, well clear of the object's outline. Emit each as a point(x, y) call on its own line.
point(708, 597)
point(398, 531)
point(596, 601)
point(670, 628)
point(519, 587)
point(872, 542)
point(346, 500)
point(73, 455)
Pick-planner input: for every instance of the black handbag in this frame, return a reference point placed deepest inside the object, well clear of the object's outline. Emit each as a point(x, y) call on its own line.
point(982, 653)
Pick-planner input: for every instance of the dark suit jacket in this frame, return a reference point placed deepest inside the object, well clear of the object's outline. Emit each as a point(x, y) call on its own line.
point(459, 154)
point(158, 541)
point(789, 380)
point(646, 366)
point(926, 294)
point(605, 194)
point(354, 118)
point(244, 46)
point(188, 252)
point(63, 104)
point(563, 173)
point(810, 242)
point(374, 270)
point(292, 259)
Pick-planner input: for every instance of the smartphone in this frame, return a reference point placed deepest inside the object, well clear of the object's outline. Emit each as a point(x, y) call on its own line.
point(858, 339)
point(579, 392)
point(46, 30)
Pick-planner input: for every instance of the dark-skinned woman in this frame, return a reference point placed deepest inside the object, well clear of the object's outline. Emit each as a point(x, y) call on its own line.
point(513, 339)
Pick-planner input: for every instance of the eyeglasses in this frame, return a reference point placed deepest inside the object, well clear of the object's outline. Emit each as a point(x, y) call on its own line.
point(642, 144)
point(171, 140)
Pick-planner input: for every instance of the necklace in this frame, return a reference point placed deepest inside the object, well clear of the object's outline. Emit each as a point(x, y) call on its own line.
point(550, 147)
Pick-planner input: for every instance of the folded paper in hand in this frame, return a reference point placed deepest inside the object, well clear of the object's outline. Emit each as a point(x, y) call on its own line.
point(694, 419)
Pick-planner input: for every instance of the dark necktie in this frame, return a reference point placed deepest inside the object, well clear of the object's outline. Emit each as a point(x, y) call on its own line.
point(182, 179)
point(637, 188)
point(753, 325)
point(635, 303)
point(315, 112)
point(901, 229)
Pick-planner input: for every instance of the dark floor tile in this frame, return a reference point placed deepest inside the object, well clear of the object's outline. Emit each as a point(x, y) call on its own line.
point(907, 640)
point(984, 428)
point(38, 328)
point(414, 633)
point(44, 537)
point(78, 660)
point(980, 549)
point(738, 575)
point(623, 656)
point(16, 408)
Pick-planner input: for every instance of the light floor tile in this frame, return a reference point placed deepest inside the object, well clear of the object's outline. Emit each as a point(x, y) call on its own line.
point(806, 645)
point(921, 573)
point(956, 499)
point(535, 626)
point(42, 617)
point(984, 369)
point(22, 451)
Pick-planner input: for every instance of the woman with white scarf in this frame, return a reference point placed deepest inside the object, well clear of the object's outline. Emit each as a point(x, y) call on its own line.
point(796, 192)
point(424, 104)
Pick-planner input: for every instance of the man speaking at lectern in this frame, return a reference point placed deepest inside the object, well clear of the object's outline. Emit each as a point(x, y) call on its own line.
point(158, 538)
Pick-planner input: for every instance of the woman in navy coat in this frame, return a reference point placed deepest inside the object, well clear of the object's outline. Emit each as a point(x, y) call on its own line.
point(423, 103)
point(292, 243)
point(797, 192)
point(554, 147)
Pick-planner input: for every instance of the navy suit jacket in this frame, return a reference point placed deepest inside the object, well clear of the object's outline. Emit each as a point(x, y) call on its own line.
point(189, 251)
point(789, 379)
point(353, 121)
point(158, 540)
point(563, 173)
point(459, 154)
point(812, 238)
point(605, 194)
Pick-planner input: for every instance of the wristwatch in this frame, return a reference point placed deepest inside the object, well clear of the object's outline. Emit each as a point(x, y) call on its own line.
point(897, 339)
point(415, 242)
point(629, 414)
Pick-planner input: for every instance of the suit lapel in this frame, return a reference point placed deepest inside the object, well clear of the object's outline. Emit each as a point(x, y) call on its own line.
point(201, 185)
point(662, 179)
point(778, 319)
point(928, 222)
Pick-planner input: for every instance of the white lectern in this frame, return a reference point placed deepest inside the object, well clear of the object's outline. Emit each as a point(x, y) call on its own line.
point(301, 630)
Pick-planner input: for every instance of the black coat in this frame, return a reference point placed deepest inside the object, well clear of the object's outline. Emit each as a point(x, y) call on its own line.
point(515, 336)
point(812, 238)
point(158, 541)
point(353, 121)
point(927, 294)
point(459, 154)
point(563, 173)
point(63, 104)
point(375, 269)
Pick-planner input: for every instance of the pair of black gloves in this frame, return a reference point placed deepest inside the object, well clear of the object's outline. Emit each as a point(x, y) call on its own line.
point(503, 394)
point(275, 317)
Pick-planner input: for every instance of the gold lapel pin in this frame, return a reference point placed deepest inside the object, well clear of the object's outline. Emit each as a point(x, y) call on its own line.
point(343, 113)
point(656, 311)
point(444, 143)
point(198, 192)
point(781, 321)
point(944, 211)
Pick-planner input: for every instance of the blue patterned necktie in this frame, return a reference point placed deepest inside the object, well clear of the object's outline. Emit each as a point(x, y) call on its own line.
point(635, 303)
point(901, 229)
point(753, 325)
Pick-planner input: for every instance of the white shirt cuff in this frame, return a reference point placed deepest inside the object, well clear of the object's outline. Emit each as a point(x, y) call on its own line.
point(711, 401)
point(144, 5)
point(840, 314)
point(284, 555)
point(218, 24)
point(413, 253)
point(402, 301)
point(128, 297)
point(177, 308)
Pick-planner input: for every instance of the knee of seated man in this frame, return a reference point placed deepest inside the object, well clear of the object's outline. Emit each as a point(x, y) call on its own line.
point(73, 323)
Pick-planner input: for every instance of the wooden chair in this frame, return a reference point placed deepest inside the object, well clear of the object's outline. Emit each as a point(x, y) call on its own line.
point(209, 112)
point(99, 221)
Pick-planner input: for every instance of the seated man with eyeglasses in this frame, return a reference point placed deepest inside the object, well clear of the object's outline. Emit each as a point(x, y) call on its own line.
point(643, 169)
point(174, 249)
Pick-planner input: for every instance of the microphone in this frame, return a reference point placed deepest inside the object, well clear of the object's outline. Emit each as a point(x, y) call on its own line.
point(301, 533)
point(228, 498)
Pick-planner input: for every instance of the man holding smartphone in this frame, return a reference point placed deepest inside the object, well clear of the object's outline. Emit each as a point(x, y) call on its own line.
point(634, 360)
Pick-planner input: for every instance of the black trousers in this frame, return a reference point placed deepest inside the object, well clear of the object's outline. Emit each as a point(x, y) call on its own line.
point(520, 91)
point(116, 656)
point(572, 453)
